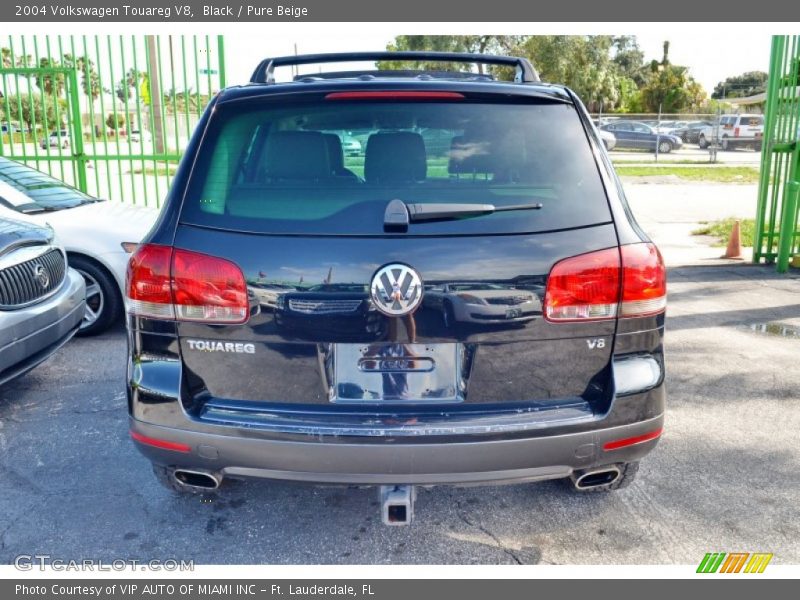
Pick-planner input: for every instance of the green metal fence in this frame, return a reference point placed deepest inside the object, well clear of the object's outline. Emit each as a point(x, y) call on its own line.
point(110, 115)
point(777, 238)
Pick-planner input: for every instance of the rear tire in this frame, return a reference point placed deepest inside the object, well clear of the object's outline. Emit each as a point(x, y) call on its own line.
point(726, 145)
point(626, 477)
point(103, 301)
point(665, 147)
point(702, 142)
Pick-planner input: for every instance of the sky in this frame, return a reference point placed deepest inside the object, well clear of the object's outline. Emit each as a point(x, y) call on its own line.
point(711, 58)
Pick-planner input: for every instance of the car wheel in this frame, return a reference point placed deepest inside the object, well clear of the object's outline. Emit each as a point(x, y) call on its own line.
point(627, 474)
point(103, 302)
point(757, 147)
point(726, 144)
point(701, 141)
point(664, 147)
point(448, 315)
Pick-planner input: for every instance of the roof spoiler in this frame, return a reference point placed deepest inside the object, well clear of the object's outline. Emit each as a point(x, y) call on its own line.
point(524, 70)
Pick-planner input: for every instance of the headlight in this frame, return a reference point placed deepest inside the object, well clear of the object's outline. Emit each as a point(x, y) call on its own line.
point(470, 299)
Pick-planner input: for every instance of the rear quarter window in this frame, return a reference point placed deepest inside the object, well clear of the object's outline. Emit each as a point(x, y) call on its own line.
point(331, 167)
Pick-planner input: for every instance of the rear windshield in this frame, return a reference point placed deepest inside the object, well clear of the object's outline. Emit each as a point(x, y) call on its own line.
point(331, 167)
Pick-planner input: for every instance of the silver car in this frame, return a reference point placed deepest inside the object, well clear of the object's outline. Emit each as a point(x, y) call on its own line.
point(42, 301)
point(481, 303)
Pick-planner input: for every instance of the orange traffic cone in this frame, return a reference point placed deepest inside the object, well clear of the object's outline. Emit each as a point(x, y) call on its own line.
point(734, 249)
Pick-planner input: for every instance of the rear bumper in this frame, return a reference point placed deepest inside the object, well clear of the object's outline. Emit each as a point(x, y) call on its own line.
point(31, 335)
point(442, 462)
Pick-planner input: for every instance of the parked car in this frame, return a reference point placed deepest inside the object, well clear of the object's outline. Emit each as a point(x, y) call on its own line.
point(690, 132)
point(136, 136)
point(56, 139)
point(640, 136)
point(351, 146)
point(609, 139)
point(524, 212)
point(41, 299)
point(482, 303)
point(98, 235)
point(734, 131)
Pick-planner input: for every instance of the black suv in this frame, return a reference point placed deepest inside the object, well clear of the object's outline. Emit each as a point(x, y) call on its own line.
point(277, 327)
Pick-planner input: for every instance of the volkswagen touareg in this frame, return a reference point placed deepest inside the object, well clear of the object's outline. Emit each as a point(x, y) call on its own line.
point(464, 299)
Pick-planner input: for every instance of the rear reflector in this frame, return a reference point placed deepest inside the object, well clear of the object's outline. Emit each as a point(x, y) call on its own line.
point(167, 283)
point(632, 441)
point(163, 444)
point(391, 95)
point(629, 281)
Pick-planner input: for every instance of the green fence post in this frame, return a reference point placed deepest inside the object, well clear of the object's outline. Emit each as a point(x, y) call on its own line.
point(221, 53)
point(788, 224)
point(77, 131)
point(766, 147)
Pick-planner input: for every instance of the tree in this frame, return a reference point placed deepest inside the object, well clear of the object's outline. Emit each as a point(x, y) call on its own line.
point(740, 86)
point(50, 82)
point(582, 63)
point(36, 109)
point(670, 88)
point(630, 59)
point(115, 121)
point(476, 44)
point(128, 89)
point(90, 80)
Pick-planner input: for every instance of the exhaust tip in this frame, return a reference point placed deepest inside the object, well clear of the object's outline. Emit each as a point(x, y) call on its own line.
point(196, 479)
point(587, 480)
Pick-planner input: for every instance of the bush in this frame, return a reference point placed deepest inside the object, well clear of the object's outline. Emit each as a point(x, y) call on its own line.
point(115, 121)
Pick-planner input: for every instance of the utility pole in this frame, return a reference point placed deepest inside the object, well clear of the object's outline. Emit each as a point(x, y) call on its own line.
point(156, 97)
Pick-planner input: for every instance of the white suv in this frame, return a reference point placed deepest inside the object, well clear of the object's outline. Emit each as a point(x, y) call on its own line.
point(734, 131)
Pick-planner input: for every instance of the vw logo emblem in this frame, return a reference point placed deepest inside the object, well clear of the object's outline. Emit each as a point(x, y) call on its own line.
point(396, 290)
point(40, 275)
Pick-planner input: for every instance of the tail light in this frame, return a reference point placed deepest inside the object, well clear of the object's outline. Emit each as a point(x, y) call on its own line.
point(584, 287)
point(736, 132)
point(167, 283)
point(644, 281)
point(627, 281)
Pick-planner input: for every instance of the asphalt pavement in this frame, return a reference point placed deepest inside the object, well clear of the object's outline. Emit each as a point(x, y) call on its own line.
point(723, 478)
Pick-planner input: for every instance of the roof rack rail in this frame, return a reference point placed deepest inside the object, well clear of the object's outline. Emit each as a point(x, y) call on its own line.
point(525, 72)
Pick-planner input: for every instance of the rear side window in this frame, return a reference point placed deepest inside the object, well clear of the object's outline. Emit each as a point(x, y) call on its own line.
point(751, 121)
point(331, 167)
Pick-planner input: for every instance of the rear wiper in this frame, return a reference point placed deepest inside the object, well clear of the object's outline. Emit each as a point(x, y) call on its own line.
point(398, 214)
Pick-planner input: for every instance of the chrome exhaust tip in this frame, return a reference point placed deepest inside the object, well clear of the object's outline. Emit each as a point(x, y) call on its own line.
point(593, 478)
point(196, 479)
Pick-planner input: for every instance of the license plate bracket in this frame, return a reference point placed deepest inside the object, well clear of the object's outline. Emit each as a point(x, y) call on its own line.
point(396, 372)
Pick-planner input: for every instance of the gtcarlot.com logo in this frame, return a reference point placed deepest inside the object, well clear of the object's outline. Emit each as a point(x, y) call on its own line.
point(734, 562)
point(41, 562)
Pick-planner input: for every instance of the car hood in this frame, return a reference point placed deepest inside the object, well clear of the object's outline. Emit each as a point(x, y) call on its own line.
point(124, 222)
point(15, 233)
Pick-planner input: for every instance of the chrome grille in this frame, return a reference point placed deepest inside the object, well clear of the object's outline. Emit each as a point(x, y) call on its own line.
point(324, 307)
point(31, 280)
point(509, 300)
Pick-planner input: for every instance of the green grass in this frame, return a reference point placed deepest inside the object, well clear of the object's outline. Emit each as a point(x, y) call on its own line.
point(722, 230)
point(682, 161)
point(708, 174)
point(160, 170)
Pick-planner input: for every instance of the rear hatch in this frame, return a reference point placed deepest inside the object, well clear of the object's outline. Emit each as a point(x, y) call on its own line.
point(273, 193)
